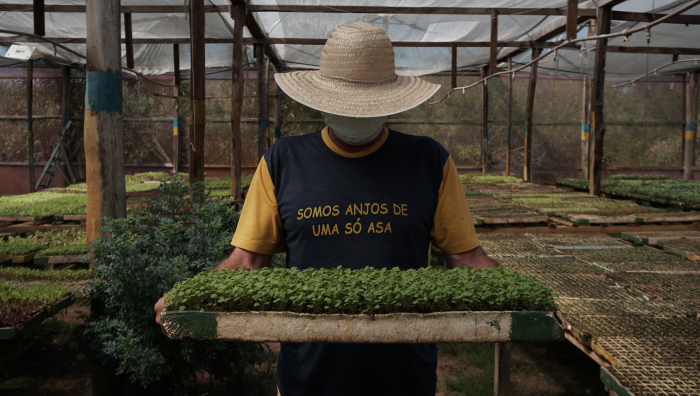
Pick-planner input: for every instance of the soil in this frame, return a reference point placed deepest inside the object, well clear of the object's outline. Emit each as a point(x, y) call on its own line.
point(41, 363)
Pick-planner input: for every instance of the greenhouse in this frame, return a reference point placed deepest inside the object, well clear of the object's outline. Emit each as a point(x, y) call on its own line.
point(343, 197)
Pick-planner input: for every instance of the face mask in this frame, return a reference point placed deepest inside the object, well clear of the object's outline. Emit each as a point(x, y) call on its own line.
point(355, 131)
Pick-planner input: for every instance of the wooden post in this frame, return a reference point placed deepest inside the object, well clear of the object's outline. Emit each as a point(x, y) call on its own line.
point(691, 94)
point(585, 128)
point(571, 19)
point(266, 84)
point(129, 41)
point(237, 85)
point(104, 149)
point(604, 19)
point(30, 129)
point(484, 122)
point(39, 22)
point(501, 380)
point(278, 112)
point(262, 99)
point(493, 47)
point(176, 109)
point(198, 104)
point(454, 66)
point(65, 110)
point(509, 114)
point(529, 127)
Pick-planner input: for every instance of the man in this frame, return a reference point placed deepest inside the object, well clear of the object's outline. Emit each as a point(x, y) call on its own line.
point(354, 195)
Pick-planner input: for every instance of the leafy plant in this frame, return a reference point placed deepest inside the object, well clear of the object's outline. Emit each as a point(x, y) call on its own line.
point(140, 258)
point(21, 274)
point(43, 203)
point(64, 250)
point(638, 177)
point(368, 291)
point(46, 292)
point(17, 246)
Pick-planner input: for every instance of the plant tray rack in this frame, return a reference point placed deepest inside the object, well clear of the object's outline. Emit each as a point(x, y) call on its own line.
point(8, 333)
point(438, 327)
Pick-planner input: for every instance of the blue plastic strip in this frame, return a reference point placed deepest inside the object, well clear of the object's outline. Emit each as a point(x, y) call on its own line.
point(508, 133)
point(176, 122)
point(278, 132)
point(103, 92)
point(262, 125)
point(29, 125)
point(486, 133)
point(690, 126)
point(64, 121)
point(585, 127)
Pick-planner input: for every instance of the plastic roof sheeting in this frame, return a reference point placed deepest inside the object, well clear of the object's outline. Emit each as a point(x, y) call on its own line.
point(158, 58)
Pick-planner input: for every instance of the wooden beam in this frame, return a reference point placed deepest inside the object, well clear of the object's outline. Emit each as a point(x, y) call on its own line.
point(104, 149)
point(65, 118)
point(412, 10)
point(454, 66)
point(30, 128)
point(198, 104)
point(501, 380)
point(598, 127)
point(266, 111)
point(258, 32)
point(262, 99)
point(237, 85)
point(529, 126)
point(571, 19)
point(278, 113)
point(128, 36)
point(586, 117)
point(691, 96)
point(509, 117)
point(654, 50)
point(38, 10)
point(649, 17)
point(493, 46)
point(176, 109)
point(484, 121)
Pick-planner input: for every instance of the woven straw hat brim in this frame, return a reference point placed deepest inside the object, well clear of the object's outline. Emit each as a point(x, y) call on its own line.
point(353, 99)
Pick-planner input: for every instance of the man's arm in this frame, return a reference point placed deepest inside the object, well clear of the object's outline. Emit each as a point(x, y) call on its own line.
point(475, 258)
point(238, 258)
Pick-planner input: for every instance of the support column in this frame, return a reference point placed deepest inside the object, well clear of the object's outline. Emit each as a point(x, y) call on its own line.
point(691, 96)
point(493, 46)
point(30, 129)
point(604, 18)
point(484, 122)
point(237, 85)
point(198, 107)
point(104, 150)
point(501, 380)
point(529, 127)
point(128, 36)
point(454, 66)
point(262, 99)
point(176, 109)
point(267, 104)
point(585, 128)
point(685, 115)
point(571, 19)
point(39, 22)
point(68, 176)
point(278, 112)
point(509, 114)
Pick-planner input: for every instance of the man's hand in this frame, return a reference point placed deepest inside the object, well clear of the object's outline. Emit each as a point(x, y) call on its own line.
point(239, 258)
point(475, 258)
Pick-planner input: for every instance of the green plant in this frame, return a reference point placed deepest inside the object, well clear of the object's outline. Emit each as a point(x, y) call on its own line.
point(140, 258)
point(638, 177)
point(17, 246)
point(64, 250)
point(21, 274)
point(368, 291)
point(46, 292)
point(481, 178)
point(43, 203)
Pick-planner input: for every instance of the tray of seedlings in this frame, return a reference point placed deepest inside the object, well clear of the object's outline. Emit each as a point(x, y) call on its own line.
point(653, 238)
point(23, 306)
point(46, 248)
point(362, 306)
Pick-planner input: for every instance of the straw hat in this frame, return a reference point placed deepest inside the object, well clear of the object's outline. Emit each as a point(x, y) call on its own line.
point(357, 77)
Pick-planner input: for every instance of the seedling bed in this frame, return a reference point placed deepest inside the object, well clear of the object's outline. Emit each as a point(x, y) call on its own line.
point(652, 380)
point(597, 327)
point(578, 242)
point(8, 333)
point(687, 250)
point(584, 286)
point(544, 265)
point(645, 352)
point(635, 259)
point(636, 307)
point(653, 238)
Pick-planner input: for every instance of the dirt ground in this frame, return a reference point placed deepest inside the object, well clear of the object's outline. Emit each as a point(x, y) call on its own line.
point(42, 363)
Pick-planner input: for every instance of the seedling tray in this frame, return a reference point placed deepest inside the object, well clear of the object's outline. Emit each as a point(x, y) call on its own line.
point(8, 333)
point(414, 328)
point(52, 260)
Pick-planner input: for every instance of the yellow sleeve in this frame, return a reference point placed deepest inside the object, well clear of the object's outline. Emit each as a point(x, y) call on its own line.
point(260, 228)
point(453, 230)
